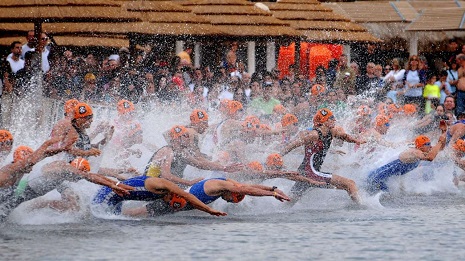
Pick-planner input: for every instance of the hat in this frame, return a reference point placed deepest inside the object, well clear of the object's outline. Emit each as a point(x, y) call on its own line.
point(234, 107)
point(364, 110)
point(82, 110)
point(123, 50)
point(381, 120)
point(177, 131)
point(288, 119)
point(81, 164)
point(21, 153)
point(224, 105)
point(279, 108)
point(274, 160)
point(125, 106)
point(255, 165)
point(409, 109)
point(317, 89)
point(113, 57)
point(89, 76)
point(251, 122)
point(422, 140)
point(198, 116)
point(236, 197)
point(177, 202)
point(321, 116)
point(70, 105)
point(5, 136)
point(459, 145)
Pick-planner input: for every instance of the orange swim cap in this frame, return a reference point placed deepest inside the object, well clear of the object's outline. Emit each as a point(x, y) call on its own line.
point(321, 116)
point(82, 110)
point(364, 110)
point(422, 140)
point(177, 131)
point(409, 109)
point(251, 122)
point(125, 106)
point(381, 120)
point(274, 160)
point(288, 119)
point(234, 107)
point(223, 107)
point(255, 165)
point(236, 197)
point(279, 108)
point(459, 145)
point(81, 164)
point(70, 105)
point(21, 153)
point(198, 116)
point(317, 89)
point(5, 136)
point(177, 202)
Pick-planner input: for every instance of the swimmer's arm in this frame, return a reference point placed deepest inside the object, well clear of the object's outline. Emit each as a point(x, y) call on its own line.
point(302, 138)
point(84, 153)
point(340, 134)
point(253, 190)
point(435, 150)
point(156, 184)
point(202, 163)
point(165, 162)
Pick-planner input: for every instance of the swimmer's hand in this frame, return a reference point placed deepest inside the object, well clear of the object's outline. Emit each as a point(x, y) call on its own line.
point(217, 213)
point(359, 142)
point(121, 189)
point(192, 182)
point(131, 171)
point(234, 167)
point(279, 195)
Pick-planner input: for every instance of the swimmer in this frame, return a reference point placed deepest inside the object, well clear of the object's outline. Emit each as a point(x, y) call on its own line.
point(55, 177)
point(149, 189)
point(317, 142)
point(209, 190)
point(169, 162)
point(408, 160)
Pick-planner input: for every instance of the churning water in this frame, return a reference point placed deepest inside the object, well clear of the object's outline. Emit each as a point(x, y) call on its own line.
point(422, 221)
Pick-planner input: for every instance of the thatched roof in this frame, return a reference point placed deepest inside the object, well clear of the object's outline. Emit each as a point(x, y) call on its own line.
point(76, 41)
point(318, 23)
point(166, 29)
point(369, 11)
point(447, 19)
point(239, 18)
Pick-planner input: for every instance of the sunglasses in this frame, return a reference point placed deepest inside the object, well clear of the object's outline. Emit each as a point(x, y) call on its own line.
point(427, 144)
point(387, 124)
point(44, 38)
point(6, 143)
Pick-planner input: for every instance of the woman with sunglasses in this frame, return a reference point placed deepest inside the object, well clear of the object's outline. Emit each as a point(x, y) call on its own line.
point(407, 161)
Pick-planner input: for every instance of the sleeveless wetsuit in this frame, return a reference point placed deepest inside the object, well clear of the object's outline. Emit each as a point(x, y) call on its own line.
point(83, 143)
point(315, 154)
point(112, 200)
point(178, 165)
point(199, 192)
point(377, 178)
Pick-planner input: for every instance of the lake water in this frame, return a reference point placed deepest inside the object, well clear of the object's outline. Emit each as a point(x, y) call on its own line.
point(405, 228)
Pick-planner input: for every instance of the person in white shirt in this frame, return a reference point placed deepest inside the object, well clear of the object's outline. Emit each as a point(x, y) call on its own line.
point(30, 45)
point(15, 61)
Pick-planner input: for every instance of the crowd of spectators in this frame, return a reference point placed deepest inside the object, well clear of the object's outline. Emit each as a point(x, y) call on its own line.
point(144, 78)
